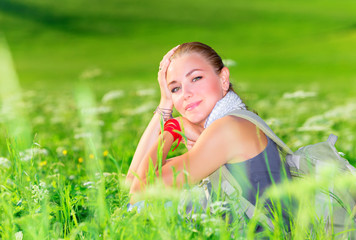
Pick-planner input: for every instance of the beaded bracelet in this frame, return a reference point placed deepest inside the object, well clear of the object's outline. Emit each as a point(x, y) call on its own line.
point(170, 126)
point(165, 113)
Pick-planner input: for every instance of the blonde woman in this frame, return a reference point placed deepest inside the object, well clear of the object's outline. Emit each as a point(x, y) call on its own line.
point(194, 80)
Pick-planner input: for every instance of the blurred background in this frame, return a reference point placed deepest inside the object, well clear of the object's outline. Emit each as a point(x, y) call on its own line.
point(303, 44)
point(289, 60)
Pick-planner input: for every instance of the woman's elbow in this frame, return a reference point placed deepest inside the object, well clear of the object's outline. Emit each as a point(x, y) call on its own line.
point(129, 179)
point(137, 185)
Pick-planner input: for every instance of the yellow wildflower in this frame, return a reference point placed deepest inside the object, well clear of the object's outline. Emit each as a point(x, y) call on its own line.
point(105, 153)
point(91, 156)
point(80, 160)
point(64, 152)
point(43, 163)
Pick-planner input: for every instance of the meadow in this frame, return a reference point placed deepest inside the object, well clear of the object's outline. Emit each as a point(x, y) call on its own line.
point(78, 86)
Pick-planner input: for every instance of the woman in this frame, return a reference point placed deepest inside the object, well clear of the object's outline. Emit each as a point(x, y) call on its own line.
point(193, 79)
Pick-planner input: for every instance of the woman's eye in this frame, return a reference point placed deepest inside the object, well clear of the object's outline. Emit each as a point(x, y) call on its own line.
point(197, 78)
point(175, 89)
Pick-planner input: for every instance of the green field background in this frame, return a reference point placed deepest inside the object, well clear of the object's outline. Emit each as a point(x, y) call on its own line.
point(277, 47)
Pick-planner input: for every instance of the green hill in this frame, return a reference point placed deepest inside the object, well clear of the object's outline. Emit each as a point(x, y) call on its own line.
point(274, 43)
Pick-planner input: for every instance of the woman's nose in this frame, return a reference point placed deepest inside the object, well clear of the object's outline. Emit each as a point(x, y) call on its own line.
point(187, 92)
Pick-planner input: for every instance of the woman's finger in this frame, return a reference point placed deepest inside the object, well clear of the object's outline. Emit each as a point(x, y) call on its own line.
point(166, 59)
point(168, 55)
point(162, 72)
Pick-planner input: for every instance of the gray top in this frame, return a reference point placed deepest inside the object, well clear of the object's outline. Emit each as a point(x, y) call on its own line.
point(256, 174)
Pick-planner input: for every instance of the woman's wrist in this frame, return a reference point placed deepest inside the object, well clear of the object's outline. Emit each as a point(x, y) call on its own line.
point(167, 104)
point(165, 113)
point(168, 138)
point(172, 127)
point(165, 110)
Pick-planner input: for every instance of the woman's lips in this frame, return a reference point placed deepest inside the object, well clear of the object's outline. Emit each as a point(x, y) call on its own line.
point(193, 105)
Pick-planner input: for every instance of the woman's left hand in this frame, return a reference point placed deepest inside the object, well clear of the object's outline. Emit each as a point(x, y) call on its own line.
point(191, 131)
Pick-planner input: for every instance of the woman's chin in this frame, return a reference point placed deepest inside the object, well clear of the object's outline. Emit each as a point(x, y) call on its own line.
point(196, 121)
point(195, 118)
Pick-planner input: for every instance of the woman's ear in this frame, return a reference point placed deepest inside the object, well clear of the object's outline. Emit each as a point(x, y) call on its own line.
point(225, 78)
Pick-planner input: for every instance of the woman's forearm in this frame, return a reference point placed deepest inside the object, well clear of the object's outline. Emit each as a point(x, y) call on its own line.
point(166, 141)
point(146, 142)
point(152, 131)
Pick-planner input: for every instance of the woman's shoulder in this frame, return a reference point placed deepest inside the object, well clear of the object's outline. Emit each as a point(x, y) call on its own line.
point(241, 136)
point(232, 123)
point(226, 129)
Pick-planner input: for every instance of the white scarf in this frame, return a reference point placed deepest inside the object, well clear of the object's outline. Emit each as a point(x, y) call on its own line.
point(231, 101)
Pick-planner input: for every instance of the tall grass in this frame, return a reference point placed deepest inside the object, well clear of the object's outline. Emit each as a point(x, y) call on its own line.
point(65, 198)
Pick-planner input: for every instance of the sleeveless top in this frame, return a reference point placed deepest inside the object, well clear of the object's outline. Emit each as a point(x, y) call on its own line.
point(256, 174)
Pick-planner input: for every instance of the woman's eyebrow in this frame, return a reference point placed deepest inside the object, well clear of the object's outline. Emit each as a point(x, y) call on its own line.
point(172, 82)
point(187, 75)
point(191, 71)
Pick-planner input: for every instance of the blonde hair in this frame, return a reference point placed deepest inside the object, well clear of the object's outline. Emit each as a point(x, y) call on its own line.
point(204, 50)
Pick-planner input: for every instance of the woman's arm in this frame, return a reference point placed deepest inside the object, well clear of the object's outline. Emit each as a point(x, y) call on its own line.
point(227, 138)
point(152, 131)
point(147, 141)
point(138, 183)
point(191, 131)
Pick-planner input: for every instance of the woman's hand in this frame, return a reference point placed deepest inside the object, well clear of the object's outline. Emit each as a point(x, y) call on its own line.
point(166, 95)
point(191, 131)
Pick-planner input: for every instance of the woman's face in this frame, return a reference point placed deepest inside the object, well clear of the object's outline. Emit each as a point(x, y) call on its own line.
point(195, 86)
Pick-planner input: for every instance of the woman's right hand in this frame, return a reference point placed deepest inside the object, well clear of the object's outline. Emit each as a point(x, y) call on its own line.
point(166, 95)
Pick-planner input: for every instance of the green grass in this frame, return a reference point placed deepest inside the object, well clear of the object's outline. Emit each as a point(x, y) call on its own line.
point(69, 54)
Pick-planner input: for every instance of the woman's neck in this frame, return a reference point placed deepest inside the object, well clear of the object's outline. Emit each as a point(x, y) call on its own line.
point(231, 101)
